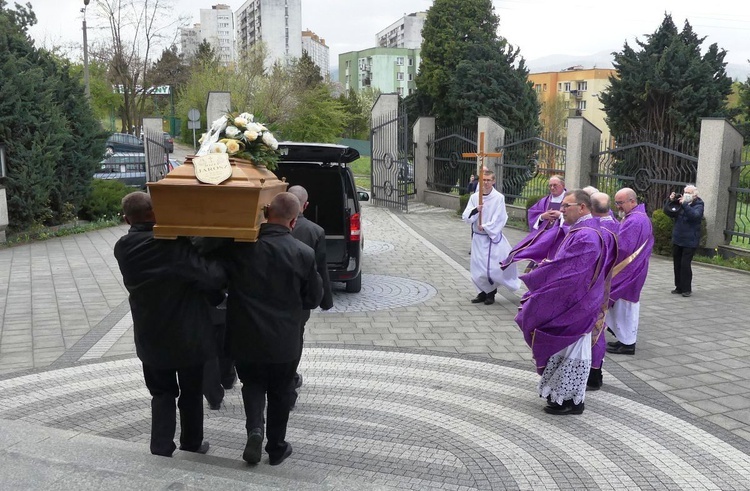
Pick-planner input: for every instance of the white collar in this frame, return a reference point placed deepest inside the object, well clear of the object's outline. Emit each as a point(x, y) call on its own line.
point(557, 199)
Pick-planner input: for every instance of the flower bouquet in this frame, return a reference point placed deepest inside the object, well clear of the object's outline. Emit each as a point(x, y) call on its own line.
point(241, 137)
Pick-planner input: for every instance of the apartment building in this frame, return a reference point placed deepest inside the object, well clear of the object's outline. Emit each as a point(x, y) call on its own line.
point(316, 49)
point(216, 27)
point(404, 33)
point(578, 88)
point(276, 23)
point(391, 70)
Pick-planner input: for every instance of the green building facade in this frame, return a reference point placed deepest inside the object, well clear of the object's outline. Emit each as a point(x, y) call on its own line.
point(390, 70)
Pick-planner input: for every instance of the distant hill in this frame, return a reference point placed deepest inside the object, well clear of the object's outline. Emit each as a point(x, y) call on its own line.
point(603, 59)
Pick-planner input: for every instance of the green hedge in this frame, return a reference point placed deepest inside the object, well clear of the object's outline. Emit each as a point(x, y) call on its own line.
point(663, 226)
point(105, 200)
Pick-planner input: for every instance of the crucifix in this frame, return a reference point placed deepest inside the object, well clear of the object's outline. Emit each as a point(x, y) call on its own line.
point(480, 155)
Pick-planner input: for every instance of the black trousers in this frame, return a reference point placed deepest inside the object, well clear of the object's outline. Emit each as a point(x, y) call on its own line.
point(165, 386)
point(219, 372)
point(272, 380)
point(683, 272)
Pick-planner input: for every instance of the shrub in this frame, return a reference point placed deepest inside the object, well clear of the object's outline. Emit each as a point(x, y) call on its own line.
point(663, 226)
point(463, 200)
point(105, 200)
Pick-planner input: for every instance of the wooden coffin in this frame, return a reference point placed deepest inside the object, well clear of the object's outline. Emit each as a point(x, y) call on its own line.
point(185, 206)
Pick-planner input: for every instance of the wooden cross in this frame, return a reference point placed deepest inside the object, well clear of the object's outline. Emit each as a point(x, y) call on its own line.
point(480, 155)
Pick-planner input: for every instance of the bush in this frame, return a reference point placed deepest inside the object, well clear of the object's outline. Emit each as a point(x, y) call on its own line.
point(663, 225)
point(463, 200)
point(105, 200)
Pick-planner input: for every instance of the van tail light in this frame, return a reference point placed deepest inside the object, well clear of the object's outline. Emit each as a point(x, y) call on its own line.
point(355, 230)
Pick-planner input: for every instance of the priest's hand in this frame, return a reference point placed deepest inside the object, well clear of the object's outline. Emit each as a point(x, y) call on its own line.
point(551, 215)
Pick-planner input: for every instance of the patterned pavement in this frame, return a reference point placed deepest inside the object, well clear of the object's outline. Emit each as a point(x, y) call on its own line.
point(407, 385)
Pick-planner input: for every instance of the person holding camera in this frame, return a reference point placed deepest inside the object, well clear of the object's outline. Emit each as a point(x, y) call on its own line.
point(687, 211)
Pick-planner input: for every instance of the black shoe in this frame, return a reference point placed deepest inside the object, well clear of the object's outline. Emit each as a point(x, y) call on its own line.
point(214, 407)
point(297, 380)
point(228, 384)
point(254, 446)
point(566, 408)
point(676, 291)
point(623, 349)
point(614, 344)
point(480, 298)
point(489, 300)
point(595, 379)
point(686, 294)
point(283, 457)
point(203, 448)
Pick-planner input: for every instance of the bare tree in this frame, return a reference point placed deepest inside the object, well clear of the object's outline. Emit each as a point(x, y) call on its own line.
point(138, 31)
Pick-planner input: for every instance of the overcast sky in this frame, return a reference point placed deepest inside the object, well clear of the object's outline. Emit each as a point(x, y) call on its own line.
point(539, 27)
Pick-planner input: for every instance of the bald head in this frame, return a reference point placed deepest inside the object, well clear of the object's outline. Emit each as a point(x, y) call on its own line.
point(590, 190)
point(600, 204)
point(283, 209)
point(137, 208)
point(626, 200)
point(301, 194)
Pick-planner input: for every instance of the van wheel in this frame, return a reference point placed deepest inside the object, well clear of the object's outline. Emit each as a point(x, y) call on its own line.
point(354, 285)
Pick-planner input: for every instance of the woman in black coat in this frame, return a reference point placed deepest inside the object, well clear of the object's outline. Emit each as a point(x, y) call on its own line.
point(687, 212)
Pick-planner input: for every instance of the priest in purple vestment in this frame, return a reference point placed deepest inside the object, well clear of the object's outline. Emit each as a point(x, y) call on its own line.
point(601, 210)
point(634, 244)
point(546, 227)
point(559, 312)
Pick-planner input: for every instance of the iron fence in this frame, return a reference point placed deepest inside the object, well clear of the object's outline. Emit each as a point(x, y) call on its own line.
point(737, 231)
point(157, 155)
point(652, 164)
point(392, 164)
point(447, 170)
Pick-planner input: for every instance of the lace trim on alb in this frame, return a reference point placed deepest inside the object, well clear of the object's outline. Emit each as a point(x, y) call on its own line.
point(564, 379)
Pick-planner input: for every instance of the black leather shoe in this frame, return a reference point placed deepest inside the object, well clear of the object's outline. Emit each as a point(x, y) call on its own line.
point(623, 349)
point(565, 408)
point(686, 294)
point(480, 298)
point(203, 448)
point(676, 291)
point(254, 446)
point(229, 383)
point(283, 457)
point(297, 380)
point(214, 407)
point(614, 344)
point(489, 300)
point(595, 379)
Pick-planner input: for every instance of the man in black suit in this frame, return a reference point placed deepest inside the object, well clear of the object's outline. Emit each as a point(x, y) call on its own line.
point(170, 285)
point(272, 282)
point(312, 234)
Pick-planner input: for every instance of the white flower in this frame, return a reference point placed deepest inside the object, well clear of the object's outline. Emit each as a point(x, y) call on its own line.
point(255, 127)
point(217, 147)
point(263, 128)
point(240, 122)
point(231, 131)
point(251, 135)
point(269, 140)
point(247, 117)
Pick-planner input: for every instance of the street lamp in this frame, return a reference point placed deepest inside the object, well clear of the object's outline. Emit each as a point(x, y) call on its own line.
point(85, 52)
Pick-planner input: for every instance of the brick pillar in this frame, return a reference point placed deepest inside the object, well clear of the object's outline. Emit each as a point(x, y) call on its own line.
point(720, 143)
point(3, 214)
point(583, 140)
point(421, 132)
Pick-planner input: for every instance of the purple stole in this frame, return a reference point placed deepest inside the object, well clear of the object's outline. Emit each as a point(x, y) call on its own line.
point(542, 243)
point(598, 341)
point(565, 294)
point(635, 241)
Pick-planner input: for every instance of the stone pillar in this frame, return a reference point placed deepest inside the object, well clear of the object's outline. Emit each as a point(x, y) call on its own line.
point(3, 214)
point(153, 124)
point(720, 143)
point(583, 139)
point(218, 104)
point(494, 138)
point(423, 129)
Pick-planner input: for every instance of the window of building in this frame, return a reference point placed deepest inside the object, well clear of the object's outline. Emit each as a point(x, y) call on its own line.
point(566, 87)
point(348, 63)
point(544, 87)
point(400, 91)
point(411, 77)
point(400, 60)
point(538, 88)
point(411, 61)
point(583, 85)
point(581, 105)
point(559, 86)
point(399, 75)
point(411, 91)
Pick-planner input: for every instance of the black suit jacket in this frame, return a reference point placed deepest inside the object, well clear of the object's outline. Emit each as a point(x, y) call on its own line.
point(272, 283)
point(170, 285)
point(313, 235)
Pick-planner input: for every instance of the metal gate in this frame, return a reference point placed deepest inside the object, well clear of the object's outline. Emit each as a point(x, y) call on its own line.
point(447, 170)
point(737, 232)
point(157, 157)
point(529, 159)
point(392, 165)
point(651, 164)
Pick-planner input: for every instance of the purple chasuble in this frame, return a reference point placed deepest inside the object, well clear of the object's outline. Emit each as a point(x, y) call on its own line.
point(565, 294)
point(540, 243)
point(635, 239)
point(609, 228)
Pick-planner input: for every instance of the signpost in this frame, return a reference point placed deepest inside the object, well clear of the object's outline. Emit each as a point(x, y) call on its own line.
point(194, 123)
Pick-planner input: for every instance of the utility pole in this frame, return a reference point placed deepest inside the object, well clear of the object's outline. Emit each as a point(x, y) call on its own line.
point(86, 53)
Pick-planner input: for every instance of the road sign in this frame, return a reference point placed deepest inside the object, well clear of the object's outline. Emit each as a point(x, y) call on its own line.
point(194, 125)
point(194, 115)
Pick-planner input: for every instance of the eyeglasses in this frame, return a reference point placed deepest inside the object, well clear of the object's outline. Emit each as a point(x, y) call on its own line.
point(620, 203)
point(565, 206)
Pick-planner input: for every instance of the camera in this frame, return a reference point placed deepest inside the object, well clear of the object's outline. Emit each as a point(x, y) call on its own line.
point(677, 196)
point(674, 204)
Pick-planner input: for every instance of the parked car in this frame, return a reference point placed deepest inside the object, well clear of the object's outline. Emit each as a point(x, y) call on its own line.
point(123, 142)
point(128, 168)
point(334, 202)
point(168, 142)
